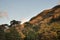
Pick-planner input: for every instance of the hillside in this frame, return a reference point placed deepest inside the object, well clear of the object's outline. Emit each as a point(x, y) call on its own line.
point(44, 26)
point(47, 15)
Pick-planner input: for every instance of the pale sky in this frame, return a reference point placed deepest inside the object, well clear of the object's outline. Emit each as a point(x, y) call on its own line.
point(23, 10)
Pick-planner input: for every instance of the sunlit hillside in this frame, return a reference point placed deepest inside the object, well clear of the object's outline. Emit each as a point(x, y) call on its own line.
point(44, 26)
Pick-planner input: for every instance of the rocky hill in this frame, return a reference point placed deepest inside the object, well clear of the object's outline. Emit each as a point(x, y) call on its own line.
point(47, 15)
point(44, 26)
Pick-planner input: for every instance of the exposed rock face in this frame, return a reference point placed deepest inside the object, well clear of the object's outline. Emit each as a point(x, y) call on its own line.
point(47, 15)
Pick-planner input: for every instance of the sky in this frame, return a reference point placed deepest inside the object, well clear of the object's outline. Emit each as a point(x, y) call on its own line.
point(23, 10)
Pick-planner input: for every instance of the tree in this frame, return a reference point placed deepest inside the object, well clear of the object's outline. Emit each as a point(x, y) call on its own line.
point(2, 33)
point(12, 35)
point(14, 23)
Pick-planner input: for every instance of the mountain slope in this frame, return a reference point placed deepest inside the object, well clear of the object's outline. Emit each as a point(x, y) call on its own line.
point(47, 15)
point(44, 26)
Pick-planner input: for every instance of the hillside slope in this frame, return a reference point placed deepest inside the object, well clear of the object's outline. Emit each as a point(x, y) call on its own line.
point(44, 26)
point(47, 15)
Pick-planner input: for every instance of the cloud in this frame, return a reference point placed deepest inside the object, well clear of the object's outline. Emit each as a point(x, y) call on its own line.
point(3, 14)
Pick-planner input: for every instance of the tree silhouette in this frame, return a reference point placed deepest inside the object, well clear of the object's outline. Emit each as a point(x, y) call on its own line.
point(14, 22)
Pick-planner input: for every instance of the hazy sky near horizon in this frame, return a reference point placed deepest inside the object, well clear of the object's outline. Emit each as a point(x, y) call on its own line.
point(23, 9)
